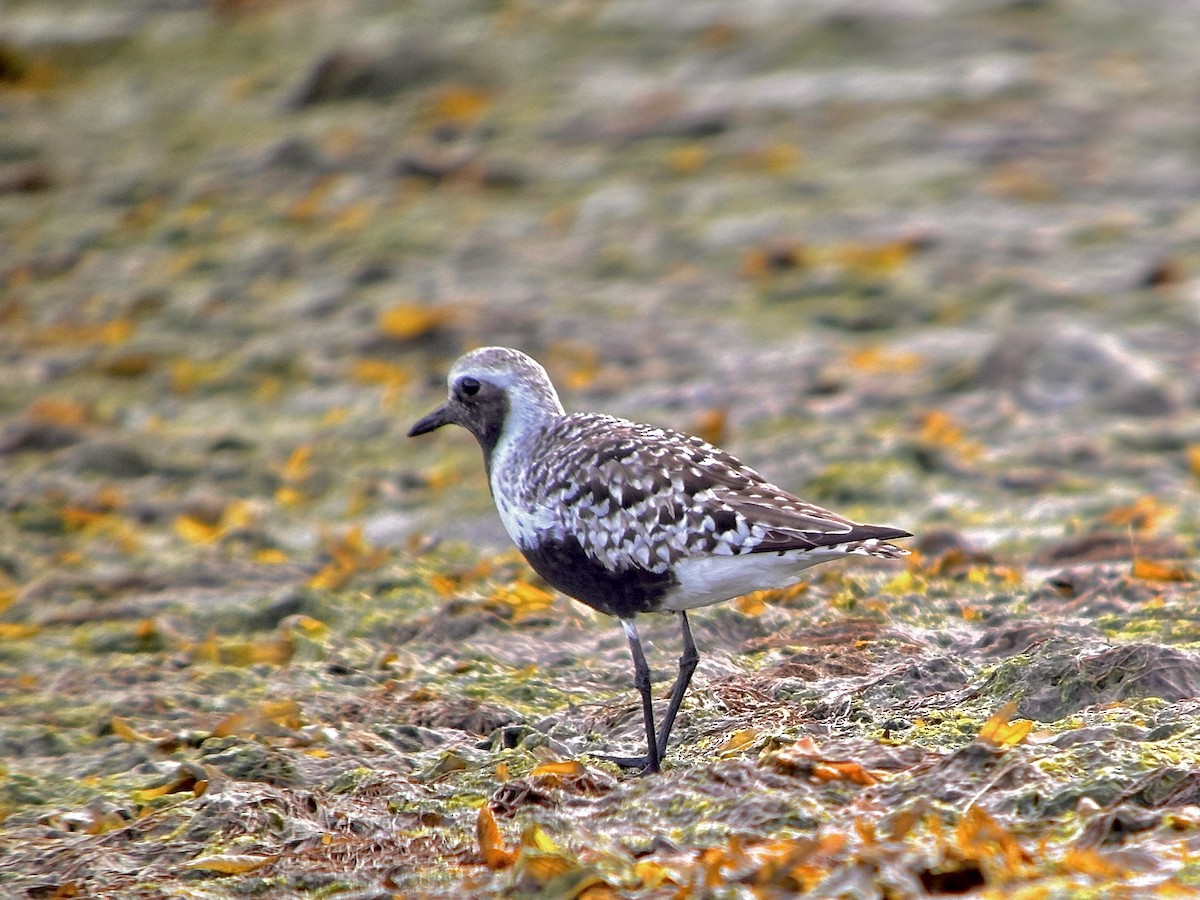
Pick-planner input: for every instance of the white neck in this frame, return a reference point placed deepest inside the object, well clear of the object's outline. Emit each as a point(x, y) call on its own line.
point(527, 416)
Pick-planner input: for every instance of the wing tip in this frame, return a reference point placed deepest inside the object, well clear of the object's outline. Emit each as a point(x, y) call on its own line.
point(873, 540)
point(877, 548)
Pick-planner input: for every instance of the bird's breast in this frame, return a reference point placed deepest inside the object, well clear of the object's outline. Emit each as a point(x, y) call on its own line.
point(617, 591)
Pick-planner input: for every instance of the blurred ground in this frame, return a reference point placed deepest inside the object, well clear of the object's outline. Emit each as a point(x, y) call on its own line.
point(933, 264)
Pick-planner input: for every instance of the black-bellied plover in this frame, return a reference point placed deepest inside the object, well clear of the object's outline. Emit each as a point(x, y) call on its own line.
point(631, 518)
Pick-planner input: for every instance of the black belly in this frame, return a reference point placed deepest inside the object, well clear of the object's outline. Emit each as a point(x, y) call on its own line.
point(618, 593)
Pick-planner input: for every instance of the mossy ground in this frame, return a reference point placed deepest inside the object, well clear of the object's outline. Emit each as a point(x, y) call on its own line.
point(932, 267)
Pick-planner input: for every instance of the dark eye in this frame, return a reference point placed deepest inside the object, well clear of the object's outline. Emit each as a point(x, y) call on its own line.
point(469, 386)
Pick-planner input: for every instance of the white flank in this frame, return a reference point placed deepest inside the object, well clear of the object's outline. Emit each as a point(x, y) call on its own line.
point(705, 580)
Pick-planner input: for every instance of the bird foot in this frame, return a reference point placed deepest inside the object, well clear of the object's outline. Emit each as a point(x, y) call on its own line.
point(640, 764)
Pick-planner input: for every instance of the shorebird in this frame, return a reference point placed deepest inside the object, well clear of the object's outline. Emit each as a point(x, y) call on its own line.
point(631, 518)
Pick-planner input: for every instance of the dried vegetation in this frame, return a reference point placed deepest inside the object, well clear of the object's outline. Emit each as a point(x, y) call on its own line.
point(931, 264)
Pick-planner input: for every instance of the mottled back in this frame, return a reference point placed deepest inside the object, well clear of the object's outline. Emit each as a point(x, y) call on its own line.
point(638, 495)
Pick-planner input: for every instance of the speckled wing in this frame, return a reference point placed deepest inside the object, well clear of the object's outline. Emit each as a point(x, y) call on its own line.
point(637, 496)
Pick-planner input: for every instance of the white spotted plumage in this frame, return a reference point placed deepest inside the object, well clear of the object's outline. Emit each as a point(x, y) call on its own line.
point(643, 497)
point(632, 518)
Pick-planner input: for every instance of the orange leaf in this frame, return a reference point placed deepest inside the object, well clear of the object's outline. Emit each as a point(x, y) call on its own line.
point(523, 598)
point(753, 605)
point(265, 716)
point(873, 259)
point(273, 651)
point(780, 256)
point(183, 782)
point(843, 771)
point(652, 875)
point(25, 72)
point(866, 831)
point(1140, 515)
point(196, 531)
point(738, 741)
point(350, 554)
point(539, 869)
point(351, 547)
point(229, 863)
point(806, 745)
point(777, 158)
point(491, 842)
point(982, 837)
point(904, 821)
point(578, 364)
point(207, 650)
point(297, 467)
point(308, 206)
point(126, 732)
point(714, 859)
point(1193, 458)
point(783, 595)
point(58, 411)
point(1149, 570)
point(535, 838)
point(458, 103)
point(687, 160)
point(189, 374)
point(108, 498)
point(329, 578)
point(803, 758)
point(147, 794)
point(878, 360)
point(939, 429)
point(1092, 863)
point(444, 585)
point(353, 217)
point(905, 582)
point(411, 320)
point(581, 377)
point(112, 332)
point(711, 424)
point(303, 624)
point(335, 415)
point(129, 365)
point(998, 731)
point(379, 371)
point(282, 712)
point(289, 496)
point(75, 517)
point(569, 768)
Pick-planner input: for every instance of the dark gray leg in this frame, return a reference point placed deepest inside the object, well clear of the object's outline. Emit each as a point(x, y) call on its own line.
point(641, 680)
point(687, 665)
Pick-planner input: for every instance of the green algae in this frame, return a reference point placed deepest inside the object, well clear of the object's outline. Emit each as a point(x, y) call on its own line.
point(414, 698)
